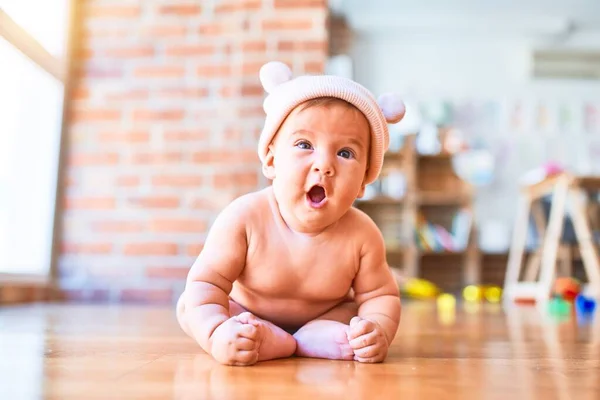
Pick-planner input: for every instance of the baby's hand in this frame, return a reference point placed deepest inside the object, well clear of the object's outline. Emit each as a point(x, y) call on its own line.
point(367, 341)
point(237, 340)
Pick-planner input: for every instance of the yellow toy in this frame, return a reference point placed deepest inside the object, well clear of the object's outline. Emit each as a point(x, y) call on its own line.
point(420, 289)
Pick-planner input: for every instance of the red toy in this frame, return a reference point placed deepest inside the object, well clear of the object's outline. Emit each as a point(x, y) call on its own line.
point(567, 288)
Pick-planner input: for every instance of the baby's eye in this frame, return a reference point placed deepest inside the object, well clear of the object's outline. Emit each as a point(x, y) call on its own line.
point(304, 145)
point(346, 153)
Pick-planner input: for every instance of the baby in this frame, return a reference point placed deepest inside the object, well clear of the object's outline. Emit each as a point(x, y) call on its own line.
point(294, 269)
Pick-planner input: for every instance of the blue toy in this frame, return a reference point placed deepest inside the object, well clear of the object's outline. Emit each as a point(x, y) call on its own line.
point(585, 305)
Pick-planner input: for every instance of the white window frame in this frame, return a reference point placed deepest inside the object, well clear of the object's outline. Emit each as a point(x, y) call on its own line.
point(60, 69)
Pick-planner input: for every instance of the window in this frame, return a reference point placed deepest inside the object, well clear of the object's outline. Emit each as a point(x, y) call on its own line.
point(33, 42)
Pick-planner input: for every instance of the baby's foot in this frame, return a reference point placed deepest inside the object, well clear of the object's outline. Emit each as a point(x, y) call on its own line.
point(367, 340)
point(324, 339)
point(246, 339)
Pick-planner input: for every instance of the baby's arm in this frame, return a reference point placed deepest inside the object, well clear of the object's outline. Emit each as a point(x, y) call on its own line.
point(211, 278)
point(375, 292)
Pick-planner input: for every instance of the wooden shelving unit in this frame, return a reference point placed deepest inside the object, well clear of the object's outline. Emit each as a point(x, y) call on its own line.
point(433, 193)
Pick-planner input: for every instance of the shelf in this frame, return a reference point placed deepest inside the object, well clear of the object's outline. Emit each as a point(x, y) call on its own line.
point(431, 198)
point(381, 200)
point(441, 253)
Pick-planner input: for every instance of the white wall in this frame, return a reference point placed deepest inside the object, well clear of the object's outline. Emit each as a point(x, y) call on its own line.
point(490, 69)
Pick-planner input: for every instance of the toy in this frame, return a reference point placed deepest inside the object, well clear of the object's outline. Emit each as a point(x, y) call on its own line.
point(420, 289)
point(558, 306)
point(472, 293)
point(446, 302)
point(567, 288)
point(585, 305)
point(493, 294)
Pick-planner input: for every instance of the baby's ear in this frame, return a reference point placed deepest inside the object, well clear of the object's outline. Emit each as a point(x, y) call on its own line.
point(268, 166)
point(361, 193)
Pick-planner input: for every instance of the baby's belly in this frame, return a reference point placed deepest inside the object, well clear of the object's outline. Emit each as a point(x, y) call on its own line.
point(284, 312)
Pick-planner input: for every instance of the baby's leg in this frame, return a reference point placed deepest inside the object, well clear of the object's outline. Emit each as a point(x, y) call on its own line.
point(268, 340)
point(327, 335)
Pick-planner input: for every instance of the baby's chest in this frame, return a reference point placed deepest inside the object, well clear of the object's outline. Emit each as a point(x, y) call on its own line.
point(289, 272)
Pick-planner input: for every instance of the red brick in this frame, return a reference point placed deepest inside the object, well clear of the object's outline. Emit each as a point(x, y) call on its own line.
point(186, 135)
point(112, 11)
point(124, 137)
point(228, 91)
point(80, 159)
point(155, 202)
point(183, 9)
point(167, 272)
point(90, 203)
point(252, 68)
point(252, 111)
point(314, 67)
point(183, 92)
point(150, 249)
point(302, 45)
point(193, 250)
point(160, 296)
point(177, 180)
point(235, 179)
point(84, 53)
point(225, 157)
point(80, 93)
point(95, 115)
point(158, 115)
point(214, 71)
point(233, 135)
point(130, 52)
point(99, 71)
point(287, 24)
point(70, 181)
point(157, 158)
point(104, 32)
point(296, 4)
point(127, 181)
point(182, 225)
point(159, 71)
point(190, 50)
point(254, 45)
point(86, 248)
point(238, 5)
point(127, 94)
point(158, 31)
point(118, 226)
point(208, 204)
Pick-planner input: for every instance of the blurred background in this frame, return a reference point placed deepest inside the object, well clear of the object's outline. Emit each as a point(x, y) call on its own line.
point(126, 126)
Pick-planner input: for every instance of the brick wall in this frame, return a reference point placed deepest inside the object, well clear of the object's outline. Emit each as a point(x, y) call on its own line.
point(162, 133)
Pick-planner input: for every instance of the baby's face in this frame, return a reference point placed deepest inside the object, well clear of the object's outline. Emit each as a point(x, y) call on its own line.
point(318, 165)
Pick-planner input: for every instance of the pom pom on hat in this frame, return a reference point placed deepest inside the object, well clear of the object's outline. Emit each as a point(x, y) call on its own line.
point(273, 74)
point(392, 107)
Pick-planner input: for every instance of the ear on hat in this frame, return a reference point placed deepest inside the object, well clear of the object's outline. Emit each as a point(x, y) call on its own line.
point(392, 107)
point(273, 74)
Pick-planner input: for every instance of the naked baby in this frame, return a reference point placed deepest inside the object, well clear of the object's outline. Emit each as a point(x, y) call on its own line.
point(294, 269)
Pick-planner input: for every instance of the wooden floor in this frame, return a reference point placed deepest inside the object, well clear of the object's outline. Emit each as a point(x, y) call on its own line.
point(107, 352)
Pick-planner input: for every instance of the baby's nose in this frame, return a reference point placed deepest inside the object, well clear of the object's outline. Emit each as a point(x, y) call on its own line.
point(324, 166)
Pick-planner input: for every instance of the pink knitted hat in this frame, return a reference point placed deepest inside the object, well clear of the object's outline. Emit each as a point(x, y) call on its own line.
point(286, 93)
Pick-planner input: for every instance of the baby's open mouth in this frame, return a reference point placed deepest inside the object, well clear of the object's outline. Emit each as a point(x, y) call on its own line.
point(316, 194)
